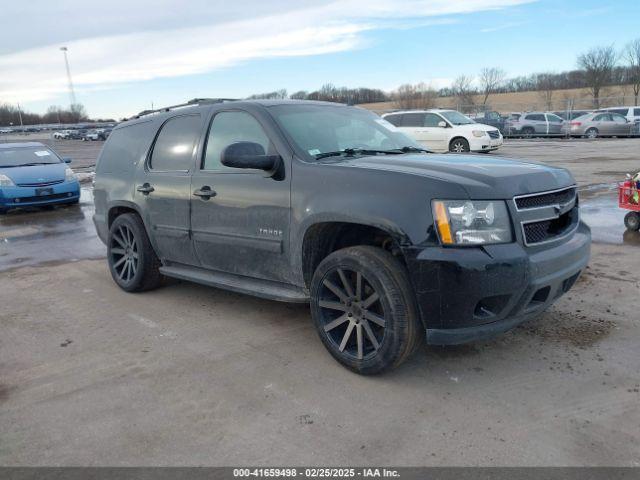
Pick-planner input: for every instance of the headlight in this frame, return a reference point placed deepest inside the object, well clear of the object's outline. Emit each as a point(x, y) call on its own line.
point(479, 133)
point(69, 175)
point(466, 222)
point(6, 181)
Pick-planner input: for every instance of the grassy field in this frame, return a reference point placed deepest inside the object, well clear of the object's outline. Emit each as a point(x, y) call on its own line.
point(527, 101)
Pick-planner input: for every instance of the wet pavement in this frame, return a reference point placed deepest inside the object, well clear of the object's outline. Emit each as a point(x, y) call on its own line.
point(49, 235)
point(599, 209)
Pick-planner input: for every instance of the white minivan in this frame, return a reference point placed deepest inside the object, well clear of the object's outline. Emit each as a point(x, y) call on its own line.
point(441, 130)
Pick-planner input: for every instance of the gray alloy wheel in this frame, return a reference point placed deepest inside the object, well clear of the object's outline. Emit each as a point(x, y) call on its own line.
point(134, 265)
point(632, 221)
point(124, 254)
point(592, 133)
point(364, 310)
point(359, 312)
point(459, 145)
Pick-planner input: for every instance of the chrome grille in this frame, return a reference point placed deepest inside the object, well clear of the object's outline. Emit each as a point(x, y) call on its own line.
point(537, 200)
point(547, 216)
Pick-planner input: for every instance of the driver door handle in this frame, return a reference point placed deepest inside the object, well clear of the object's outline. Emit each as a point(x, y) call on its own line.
point(145, 189)
point(205, 193)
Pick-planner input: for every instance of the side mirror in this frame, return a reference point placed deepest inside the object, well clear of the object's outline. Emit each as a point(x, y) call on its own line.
point(442, 124)
point(248, 155)
point(66, 160)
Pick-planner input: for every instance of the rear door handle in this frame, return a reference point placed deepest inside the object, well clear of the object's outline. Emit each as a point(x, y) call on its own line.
point(145, 189)
point(205, 193)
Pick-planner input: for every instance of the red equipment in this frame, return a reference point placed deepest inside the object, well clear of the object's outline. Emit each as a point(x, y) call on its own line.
point(627, 195)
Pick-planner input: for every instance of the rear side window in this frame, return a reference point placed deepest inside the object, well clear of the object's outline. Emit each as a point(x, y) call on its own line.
point(554, 118)
point(230, 127)
point(535, 117)
point(413, 120)
point(174, 147)
point(124, 147)
point(636, 112)
point(394, 120)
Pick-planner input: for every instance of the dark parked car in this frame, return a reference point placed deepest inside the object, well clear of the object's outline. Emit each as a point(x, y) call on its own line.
point(77, 134)
point(328, 204)
point(491, 118)
point(31, 174)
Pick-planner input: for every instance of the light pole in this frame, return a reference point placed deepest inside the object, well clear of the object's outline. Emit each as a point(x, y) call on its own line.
point(72, 94)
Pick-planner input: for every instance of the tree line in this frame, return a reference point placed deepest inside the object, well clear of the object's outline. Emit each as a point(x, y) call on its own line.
point(13, 115)
point(598, 67)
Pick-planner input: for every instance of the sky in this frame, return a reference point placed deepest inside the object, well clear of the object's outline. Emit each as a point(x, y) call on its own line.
point(127, 55)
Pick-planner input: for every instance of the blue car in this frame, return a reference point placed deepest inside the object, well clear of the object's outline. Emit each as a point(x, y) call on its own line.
point(31, 174)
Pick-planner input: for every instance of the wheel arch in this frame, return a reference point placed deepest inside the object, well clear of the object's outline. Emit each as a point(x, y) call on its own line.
point(325, 237)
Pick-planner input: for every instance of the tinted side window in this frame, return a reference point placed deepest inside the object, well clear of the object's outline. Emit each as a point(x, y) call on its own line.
point(432, 120)
point(230, 127)
point(173, 150)
point(413, 120)
point(636, 112)
point(619, 118)
point(124, 147)
point(394, 120)
point(536, 117)
point(619, 111)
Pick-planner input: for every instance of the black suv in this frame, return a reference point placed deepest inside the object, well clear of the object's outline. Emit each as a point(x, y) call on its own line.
point(317, 202)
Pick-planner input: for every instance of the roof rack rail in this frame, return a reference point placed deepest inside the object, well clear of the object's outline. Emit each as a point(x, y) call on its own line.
point(190, 103)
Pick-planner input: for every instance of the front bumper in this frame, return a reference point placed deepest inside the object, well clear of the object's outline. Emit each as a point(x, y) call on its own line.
point(468, 294)
point(15, 196)
point(484, 144)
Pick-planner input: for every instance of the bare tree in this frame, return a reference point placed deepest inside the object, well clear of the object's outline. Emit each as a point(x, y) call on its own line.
point(545, 85)
point(490, 80)
point(463, 90)
point(597, 64)
point(632, 56)
point(409, 96)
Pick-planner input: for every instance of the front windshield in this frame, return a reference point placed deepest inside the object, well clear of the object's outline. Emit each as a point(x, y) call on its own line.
point(456, 118)
point(21, 156)
point(320, 129)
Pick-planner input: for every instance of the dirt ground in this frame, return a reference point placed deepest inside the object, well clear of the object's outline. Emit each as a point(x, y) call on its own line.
point(190, 375)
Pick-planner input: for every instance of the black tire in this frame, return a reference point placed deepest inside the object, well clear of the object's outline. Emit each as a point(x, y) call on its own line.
point(371, 328)
point(459, 145)
point(591, 133)
point(528, 132)
point(128, 244)
point(632, 221)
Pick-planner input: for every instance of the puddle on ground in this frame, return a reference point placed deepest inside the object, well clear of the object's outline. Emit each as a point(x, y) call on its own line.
point(599, 209)
point(32, 236)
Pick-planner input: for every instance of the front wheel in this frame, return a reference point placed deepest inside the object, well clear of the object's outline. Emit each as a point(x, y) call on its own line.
point(363, 308)
point(459, 145)
point(134, 265)
point(632, 221)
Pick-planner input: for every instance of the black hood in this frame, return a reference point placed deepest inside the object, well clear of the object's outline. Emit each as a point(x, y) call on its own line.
point(482, 177)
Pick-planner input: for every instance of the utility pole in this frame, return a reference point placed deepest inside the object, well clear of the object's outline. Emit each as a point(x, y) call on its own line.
point(20, 115)
point(72, 94)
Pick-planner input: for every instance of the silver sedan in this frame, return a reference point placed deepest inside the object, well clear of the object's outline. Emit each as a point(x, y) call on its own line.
point(598, 124)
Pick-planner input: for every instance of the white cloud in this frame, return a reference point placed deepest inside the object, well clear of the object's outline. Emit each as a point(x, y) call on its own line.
point(112, 57)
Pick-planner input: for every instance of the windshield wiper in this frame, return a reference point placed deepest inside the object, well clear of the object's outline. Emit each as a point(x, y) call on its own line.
point(350, 152)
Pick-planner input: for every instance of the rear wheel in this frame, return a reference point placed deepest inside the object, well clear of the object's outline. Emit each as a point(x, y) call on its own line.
point(528, 131)
point(459, 145)
point(591, 133)
point(134, 265)
point(363, 309)
point(632, 221)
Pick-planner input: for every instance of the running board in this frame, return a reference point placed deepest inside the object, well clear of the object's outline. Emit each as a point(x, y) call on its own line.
point(237, 283)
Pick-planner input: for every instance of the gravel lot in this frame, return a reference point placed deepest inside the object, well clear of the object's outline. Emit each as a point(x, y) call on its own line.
point(189, 375)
